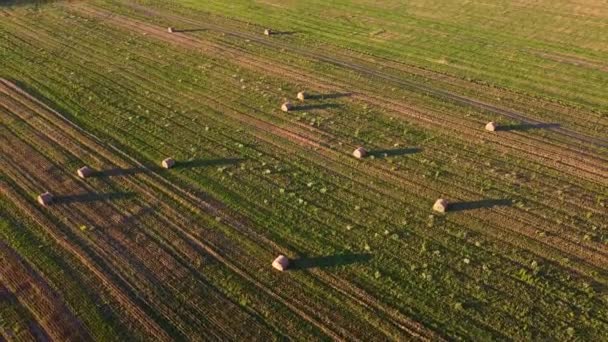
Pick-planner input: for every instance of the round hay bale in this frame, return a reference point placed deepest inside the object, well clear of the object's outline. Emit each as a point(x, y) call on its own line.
point(267, 32)
point(168, 163)
point(491, 126)
point(84, 172)
point(45, 198)
point(170, 29)
point(286, 107)
point(301, 96)
point(359, 153)
point(441, 205)
point(281, 263)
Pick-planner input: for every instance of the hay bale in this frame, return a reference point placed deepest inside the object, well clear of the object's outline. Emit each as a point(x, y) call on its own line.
point(85, 172)
point(45, 198)
point(168, 163)
point(491, 126)
point(170, 29)
point(359, 153)
point(267, 32)
point(281, 263)
point(441, 205)
point(286, 107)
point(301, 96)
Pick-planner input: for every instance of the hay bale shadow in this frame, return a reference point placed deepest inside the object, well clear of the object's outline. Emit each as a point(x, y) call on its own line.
point(117, 172)
point(315, 106)
point(92, 197)
point(329, 261)
point(394, 152)
point(481, 204)
point(527, 127)
point(284, 33)
point(206, 162)
point(327, 96)
point(9, 3)
point(189, 30)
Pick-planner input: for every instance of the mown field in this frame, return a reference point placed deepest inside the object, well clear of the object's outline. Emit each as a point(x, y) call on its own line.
point(139, 252)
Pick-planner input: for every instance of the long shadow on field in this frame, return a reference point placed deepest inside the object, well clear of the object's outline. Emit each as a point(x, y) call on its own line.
point(126, 172)
point(394, 152)
point(329, 261)
point(527, 127)
point(327, 96)
point(189, 30)
point(206, 162)
point(8, 3)
point(316, 106)
point(92, 197)
point(284, 33)
point(487, 203)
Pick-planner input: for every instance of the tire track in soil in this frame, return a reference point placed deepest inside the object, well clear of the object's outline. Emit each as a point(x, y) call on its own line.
point(32, 290)
point(292, 307)
point(593, 169)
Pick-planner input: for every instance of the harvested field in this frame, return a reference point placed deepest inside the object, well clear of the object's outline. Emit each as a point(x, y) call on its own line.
point(147, 247)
